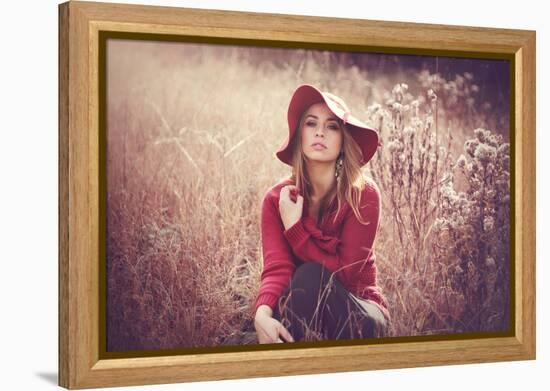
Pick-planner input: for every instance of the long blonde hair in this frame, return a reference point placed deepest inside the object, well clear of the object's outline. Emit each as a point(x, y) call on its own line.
point(348, 188)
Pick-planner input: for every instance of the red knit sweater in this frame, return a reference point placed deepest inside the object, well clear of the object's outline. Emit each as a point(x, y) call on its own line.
point(345, 247)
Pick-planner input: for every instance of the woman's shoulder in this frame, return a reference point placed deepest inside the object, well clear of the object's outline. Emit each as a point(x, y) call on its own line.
point(371, 187)
point(370, 194)
point(274, 190)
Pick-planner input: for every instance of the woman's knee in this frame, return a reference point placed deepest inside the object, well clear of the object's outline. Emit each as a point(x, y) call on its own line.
point(307, 283)
point(376, 324)
point(310, 282)
point(310, 272)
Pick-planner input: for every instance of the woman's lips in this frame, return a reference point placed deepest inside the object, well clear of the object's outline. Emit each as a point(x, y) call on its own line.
point(318, 146)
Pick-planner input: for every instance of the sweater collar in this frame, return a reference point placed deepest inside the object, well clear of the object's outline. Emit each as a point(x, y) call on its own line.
point(328, 215)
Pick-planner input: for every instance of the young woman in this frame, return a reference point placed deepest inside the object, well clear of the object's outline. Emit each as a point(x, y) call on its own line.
point(318, 229)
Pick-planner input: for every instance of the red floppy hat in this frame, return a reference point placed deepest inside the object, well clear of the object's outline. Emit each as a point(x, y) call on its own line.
point(307, 95)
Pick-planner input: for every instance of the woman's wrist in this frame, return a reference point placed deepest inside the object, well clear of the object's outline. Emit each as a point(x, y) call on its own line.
point(289, 224)
point(264, 310)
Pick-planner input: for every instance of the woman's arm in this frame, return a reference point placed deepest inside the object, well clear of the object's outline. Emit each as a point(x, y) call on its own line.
point(278, 264)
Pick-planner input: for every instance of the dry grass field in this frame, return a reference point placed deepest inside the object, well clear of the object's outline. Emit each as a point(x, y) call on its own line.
point(191, 137)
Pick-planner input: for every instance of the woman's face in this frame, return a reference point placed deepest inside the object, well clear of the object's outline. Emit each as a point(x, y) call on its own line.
point(321, 134)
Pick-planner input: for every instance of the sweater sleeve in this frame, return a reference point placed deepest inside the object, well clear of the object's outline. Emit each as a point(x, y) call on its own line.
point(352, 250)
point(278, 264)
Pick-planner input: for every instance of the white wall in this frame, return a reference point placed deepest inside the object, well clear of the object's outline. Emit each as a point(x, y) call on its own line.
point(28, 155)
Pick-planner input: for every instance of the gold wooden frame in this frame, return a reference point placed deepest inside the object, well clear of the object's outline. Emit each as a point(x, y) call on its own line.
point(80, 365)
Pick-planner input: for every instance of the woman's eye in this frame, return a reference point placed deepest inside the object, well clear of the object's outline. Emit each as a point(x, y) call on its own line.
point(330, 126)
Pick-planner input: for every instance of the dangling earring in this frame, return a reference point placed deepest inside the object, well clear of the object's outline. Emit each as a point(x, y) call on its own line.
point(339, 166)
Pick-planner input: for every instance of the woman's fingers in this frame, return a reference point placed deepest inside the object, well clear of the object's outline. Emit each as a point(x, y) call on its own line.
point(270, 337)
point(289, 188)
point(267, 329)
point(285, 334)
point(270, 330)
point(293, 190)
point(285, 193)
point(289, 192)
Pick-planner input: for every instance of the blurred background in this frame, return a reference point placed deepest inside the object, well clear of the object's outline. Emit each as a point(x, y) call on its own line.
point(191, 135)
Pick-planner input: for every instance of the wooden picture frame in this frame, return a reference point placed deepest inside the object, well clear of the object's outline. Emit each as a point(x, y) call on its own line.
point(80, 25)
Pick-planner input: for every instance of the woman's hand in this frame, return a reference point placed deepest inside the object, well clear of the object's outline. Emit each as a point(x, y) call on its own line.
point(270, 330)
point(291, 205)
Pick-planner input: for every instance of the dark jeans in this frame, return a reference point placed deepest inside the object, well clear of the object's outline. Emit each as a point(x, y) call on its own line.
point(316, 306)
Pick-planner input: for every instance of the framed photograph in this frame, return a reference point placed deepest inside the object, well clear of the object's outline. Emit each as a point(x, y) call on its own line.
point(250, 194)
